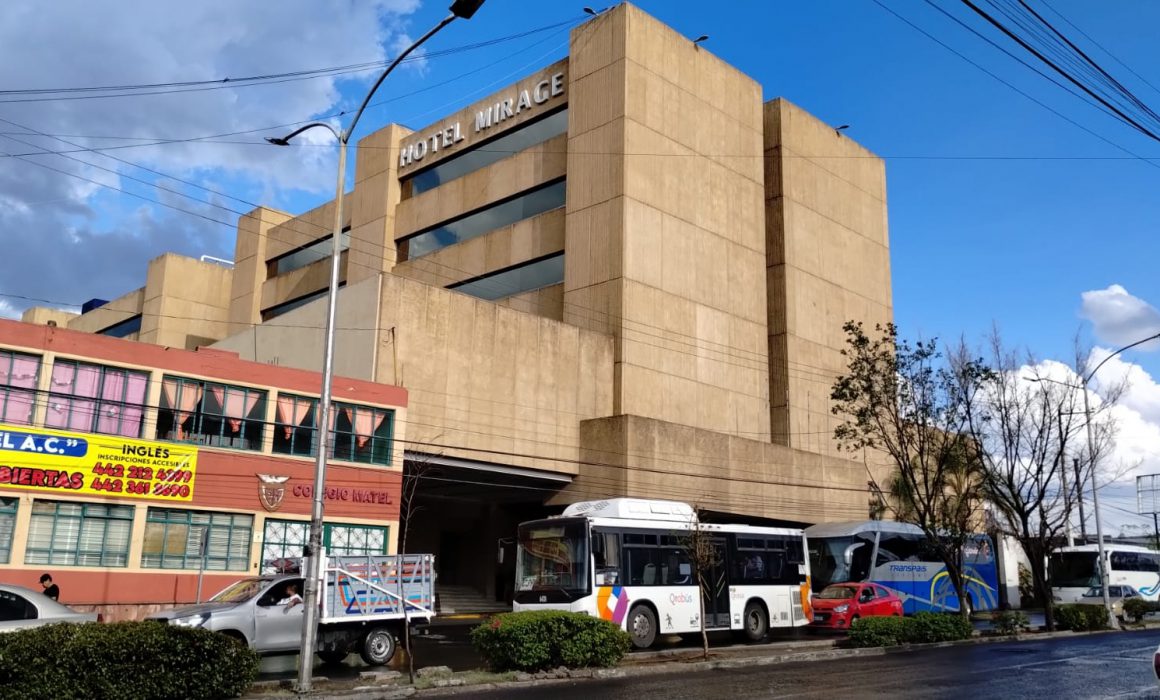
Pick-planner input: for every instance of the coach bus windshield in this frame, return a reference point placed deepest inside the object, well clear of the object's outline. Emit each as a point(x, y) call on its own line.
point(552, 561)
point(1074, 570)
point(840, 559)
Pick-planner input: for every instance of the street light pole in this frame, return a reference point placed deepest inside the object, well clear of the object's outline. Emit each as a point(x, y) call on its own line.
point(464, 9)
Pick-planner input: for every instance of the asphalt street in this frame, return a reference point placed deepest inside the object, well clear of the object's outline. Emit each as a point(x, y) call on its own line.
point(1094, 666)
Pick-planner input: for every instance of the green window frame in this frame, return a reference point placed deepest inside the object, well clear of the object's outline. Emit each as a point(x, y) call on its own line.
point(211, 413)
point(94, 398)
point(64, 533)
point(8, 507)
point(173, 540)
point(296, 432)
point(374, 446)
point(284, 539)
point(295, 437)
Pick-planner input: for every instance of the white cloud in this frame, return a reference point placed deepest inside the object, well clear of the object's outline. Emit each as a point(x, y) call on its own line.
point(75, 239)
point(1119, 318)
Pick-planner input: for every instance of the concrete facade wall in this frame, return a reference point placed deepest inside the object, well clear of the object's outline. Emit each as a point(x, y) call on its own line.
point(829, 262)
point(665, 239)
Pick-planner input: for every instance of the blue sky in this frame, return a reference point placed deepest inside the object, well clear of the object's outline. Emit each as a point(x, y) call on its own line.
point(1000, 211)
point(1014, 242)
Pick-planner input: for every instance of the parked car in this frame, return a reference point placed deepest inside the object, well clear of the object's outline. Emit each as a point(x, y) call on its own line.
point(22, 608)
point(1117, 595)
point(838, 605)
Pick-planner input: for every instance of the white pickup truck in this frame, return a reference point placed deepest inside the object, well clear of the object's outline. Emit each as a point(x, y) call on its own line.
point(365, 601)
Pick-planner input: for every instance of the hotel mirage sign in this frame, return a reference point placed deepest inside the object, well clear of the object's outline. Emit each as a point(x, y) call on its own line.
point(544, 91)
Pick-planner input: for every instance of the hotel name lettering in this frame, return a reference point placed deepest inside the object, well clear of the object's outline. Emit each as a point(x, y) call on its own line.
point(544, 91)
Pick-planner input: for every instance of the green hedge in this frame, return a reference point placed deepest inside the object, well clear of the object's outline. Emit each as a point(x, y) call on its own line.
point(922, 628)
point(1136, 608)
point(123, 661)
point(1009, 621)
point(542, 639)
point(1081, 618)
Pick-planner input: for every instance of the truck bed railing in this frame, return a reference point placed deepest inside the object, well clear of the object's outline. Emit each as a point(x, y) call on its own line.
point(378, 587)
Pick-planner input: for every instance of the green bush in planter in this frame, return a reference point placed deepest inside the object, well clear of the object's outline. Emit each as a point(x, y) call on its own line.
point(123, 661)
point(1136, 608)
point(1081, 618)
point(930, 627)
point(1009, 621)
point(878, 631)
point(542, 639)
point(922, 628)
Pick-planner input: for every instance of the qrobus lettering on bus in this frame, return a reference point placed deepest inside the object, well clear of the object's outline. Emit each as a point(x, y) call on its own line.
point(625, 560)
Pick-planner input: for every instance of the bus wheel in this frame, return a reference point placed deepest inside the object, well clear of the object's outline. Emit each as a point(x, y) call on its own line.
point(642, 626)
point(378, 647)
point(756, 622)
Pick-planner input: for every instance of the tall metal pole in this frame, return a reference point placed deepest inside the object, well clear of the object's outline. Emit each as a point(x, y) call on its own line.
point(314, 547)
point(1079, 499)
point(1156, 528)
point(1104, 563)
point(311, 596)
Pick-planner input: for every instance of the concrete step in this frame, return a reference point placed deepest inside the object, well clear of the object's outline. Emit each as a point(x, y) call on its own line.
point(464, 599)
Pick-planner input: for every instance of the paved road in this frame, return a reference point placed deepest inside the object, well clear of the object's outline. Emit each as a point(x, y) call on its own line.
point(1097, 666)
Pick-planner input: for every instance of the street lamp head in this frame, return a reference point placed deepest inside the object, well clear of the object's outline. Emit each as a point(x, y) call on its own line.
point(703, 37)
point(278, 141)
point(590, 11)
point(464, 9)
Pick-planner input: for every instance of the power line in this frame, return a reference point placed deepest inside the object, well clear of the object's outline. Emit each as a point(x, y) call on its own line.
point(141, 89)
point(1019, 40)
point(1099, 46)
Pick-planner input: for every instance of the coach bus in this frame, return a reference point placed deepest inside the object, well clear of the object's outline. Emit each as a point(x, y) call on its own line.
point(1075, 570)
point(627, 560)
point(897, 556)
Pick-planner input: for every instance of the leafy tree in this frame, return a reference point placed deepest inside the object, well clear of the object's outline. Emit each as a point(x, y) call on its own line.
point(905, 400)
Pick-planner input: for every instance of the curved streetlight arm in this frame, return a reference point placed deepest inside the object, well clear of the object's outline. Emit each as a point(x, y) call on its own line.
point(366, 100)
point(1126, 347)
point(285, 140)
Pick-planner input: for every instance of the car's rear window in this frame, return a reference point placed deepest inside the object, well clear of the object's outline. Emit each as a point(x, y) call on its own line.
point(837, 592)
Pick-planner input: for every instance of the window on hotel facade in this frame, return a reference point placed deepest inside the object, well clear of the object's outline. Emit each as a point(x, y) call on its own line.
point(96, 399)
point(125, 328)
point(7, 526)
point(306, 255)
point(283, 540)
point(358, 434)
point(209, 413)
point(78, 534)
point(18, 375)
point(509, 211)
point(173, 540)
point(286, 307)
point(489, 152)
point(525, 277)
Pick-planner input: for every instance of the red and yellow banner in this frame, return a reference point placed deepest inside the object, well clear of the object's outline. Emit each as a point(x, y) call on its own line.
point(97, 465)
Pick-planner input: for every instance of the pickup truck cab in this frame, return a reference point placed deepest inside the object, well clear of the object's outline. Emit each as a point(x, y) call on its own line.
point(362, 608)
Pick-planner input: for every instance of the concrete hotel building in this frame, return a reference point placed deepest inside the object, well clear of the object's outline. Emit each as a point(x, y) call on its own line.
point(625, 274)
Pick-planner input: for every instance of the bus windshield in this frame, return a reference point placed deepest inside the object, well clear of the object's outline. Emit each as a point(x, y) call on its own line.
point(840, 559)
point(1074, 570)
point(553, 556)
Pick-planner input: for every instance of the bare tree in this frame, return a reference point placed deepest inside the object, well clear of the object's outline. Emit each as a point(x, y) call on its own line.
point(413, 471)
point(904, 400)
point(704, 554)
point(1029, 427)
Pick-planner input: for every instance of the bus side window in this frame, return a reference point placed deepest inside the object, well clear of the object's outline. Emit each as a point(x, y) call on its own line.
point(606, 550)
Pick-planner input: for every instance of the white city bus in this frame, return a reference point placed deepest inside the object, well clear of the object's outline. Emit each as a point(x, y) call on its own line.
point(1074, 570)
point(625, 560)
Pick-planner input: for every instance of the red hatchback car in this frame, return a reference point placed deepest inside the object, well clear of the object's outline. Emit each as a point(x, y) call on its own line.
point(840, 604)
